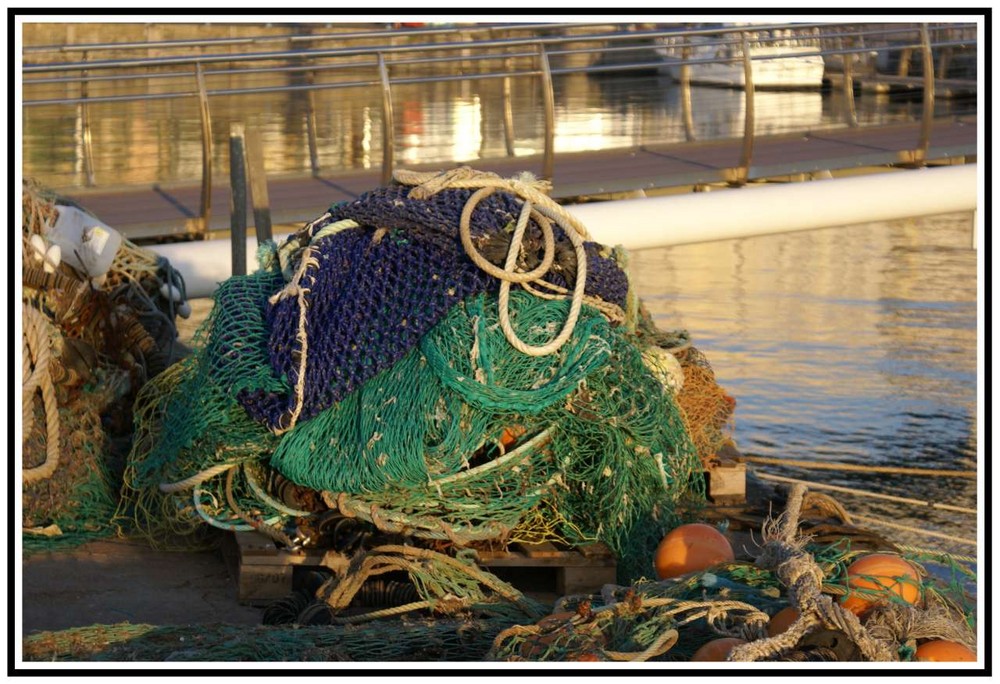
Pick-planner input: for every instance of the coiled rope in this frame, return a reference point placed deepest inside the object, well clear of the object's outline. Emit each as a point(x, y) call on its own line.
point(537, 204)
point(35, 352)
point(784, 553)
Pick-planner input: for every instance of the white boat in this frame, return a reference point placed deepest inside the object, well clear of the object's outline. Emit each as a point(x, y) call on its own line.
point(777, 62)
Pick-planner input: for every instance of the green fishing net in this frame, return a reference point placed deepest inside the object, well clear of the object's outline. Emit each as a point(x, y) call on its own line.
point(420, 447)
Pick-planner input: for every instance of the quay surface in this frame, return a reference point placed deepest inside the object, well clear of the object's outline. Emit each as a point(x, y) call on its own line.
point(143, 212)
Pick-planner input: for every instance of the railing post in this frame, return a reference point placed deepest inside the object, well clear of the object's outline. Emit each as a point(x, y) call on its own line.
point(86, 135)
point(927, 121)
point(548, 96)
point(388, 128)
point(851, 112)
point(238, 198)
point(508, 111)
point(686, 110)
point(206, 152)
point(946, 54)
point(743, 172)
point(904, 61)
point(311, 124)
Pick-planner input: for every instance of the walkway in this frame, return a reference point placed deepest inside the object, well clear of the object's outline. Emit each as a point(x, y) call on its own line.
point(146, 212)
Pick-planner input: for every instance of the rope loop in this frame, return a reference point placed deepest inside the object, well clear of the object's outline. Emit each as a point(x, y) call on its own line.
point(36, 350)
point(536, 204)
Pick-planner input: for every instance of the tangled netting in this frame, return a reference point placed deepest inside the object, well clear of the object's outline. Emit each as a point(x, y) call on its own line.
point(454, 611)
point(404, 640)
point(379, 294)
point(670, 620)
point(88, 344)
point(374, 359)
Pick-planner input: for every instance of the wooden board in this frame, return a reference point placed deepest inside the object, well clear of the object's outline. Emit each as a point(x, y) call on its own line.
point(265, 573)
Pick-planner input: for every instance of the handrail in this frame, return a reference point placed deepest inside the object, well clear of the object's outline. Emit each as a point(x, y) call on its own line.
point(168, 44)
point(462, 45)
point(477, 28)
point(516, 57)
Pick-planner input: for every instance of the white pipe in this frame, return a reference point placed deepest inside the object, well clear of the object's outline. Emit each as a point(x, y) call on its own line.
point(780, 208)
point(695, 217)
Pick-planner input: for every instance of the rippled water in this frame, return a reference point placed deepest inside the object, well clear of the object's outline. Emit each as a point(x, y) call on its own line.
point(850, 345)
point(160, 141)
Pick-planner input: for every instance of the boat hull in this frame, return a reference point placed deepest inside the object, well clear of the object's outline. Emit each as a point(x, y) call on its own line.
point(773, 68)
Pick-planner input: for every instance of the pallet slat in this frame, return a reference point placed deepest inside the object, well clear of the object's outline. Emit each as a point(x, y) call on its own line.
point(265, 573)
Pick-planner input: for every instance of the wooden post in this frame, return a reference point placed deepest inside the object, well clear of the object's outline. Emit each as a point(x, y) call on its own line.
point(238, 198)
point(88, 146)
point(548, 96)
point(258, 185)
point(904, 61)
point(508, 111)
point(686, 110)
point(388, 128)
point(206, 152)
point(850, 113)
point(310, 126)
point(927, 120)
point(743, 173)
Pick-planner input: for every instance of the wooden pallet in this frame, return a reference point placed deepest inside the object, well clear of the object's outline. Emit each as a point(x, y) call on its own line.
point(580, 570)
point(262, 571)
point(265, 573)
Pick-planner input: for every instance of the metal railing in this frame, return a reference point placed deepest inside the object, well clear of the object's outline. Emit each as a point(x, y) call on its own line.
point(562, 50)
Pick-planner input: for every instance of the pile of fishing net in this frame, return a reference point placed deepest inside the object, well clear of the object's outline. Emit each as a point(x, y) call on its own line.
point(449, 359)
point(89, 342)
point(787, 604)
point(731, 610)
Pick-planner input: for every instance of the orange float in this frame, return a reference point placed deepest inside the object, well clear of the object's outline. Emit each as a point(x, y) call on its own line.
point(689, 548)
point(511, 434)
point(717, 650)
point(782, 620)
point(941, 651)
point(883, 572)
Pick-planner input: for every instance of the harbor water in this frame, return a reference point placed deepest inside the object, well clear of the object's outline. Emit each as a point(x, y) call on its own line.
point(159, 141)
point(852, 345)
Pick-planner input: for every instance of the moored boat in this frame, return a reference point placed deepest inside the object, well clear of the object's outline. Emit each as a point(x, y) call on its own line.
point(777, 62)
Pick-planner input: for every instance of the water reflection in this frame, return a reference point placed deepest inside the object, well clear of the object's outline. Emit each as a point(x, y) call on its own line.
point(440, 122)
point(854, 345)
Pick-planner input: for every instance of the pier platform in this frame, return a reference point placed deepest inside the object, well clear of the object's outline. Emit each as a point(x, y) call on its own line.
point(148, 212)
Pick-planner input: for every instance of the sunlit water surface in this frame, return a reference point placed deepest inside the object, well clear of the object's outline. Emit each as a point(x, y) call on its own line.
point(850, 345)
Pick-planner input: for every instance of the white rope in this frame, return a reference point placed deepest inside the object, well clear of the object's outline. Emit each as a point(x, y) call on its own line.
point(36, 348)
point(196, 479)
point(529, 190)
point(874, 495)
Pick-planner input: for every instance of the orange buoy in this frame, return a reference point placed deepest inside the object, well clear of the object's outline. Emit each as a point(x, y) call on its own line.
point(511, 434)
point(716, 650)
point(883, 572)
point(782, 620)
point(941, 651)
point(689, 548)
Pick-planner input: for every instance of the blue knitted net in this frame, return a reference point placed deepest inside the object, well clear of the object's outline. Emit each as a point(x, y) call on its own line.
point(377, 289)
